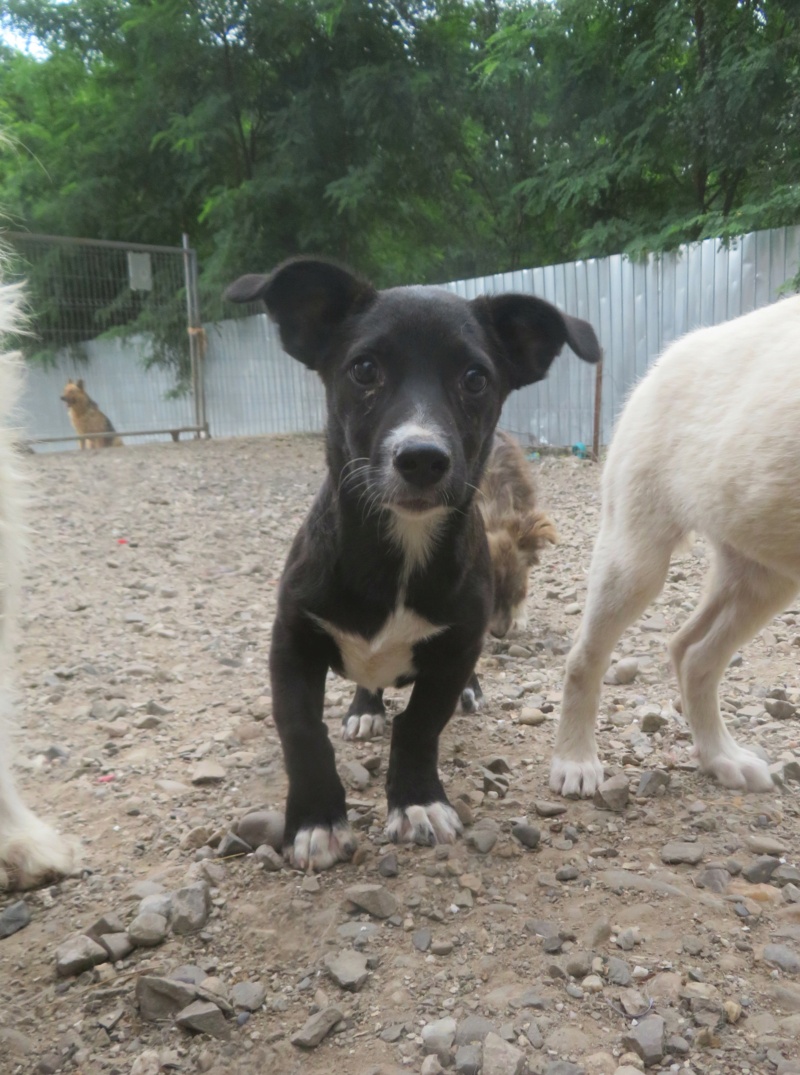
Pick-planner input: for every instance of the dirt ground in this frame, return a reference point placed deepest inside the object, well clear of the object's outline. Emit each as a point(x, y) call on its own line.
point(143, 659)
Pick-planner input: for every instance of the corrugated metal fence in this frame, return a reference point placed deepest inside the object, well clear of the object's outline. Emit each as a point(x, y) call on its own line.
point(637, 308)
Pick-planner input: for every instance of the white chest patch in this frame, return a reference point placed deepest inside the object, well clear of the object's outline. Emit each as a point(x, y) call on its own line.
point(383, 659)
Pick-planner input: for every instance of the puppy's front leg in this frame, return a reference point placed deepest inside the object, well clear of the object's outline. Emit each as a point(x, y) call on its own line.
point(418, 810)
point(317, 834)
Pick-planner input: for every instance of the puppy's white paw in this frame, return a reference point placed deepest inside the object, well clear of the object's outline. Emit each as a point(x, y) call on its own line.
point(365, 726)
point(322, 846)
point(470, 702)
point(436, 823)
point(571, 776)
point(735, 767)
point(34, 854)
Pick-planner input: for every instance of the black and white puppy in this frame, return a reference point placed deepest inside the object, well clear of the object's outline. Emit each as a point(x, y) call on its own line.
point(388, 581)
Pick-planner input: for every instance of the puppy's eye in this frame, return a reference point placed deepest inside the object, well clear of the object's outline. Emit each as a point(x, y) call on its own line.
point(475, 381)
point(364, 372)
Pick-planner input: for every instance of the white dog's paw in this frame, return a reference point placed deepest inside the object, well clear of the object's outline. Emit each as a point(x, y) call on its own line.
point(34, 854)
point(735, 767)
point(576, 776)
point(436, 823)
point(364, 726)
point(322, 846)
point(470, 700)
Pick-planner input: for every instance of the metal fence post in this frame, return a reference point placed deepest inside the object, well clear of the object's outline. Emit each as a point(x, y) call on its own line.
point(197, 336)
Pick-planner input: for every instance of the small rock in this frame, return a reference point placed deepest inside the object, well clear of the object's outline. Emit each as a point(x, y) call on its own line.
point(77, 955)
point(421, 939)
point(205, 1018)
point(208, 772)
point(646, 1039)
point(258, 827)
point(651, 783)
point(148, 930)
point(627, 938)
point(14, 918)
point(191, 907)
point(618, 971)
point(347, 969)
point(528, 835)
point(613, 794)
point(431, 1066)
point(532, 717)
point(544, 808)
point(764, 845)
point(388, 865)
point(248, 996)
point(500, 1057)
point(268, 858)
point(780, 955)
point(232, 846)
point(567, 873)
point(468, 1059)
point(677, 851)
point(316, 1027)
point(355, 774)
point(760, 871)
point(160, 999)
point(438, 1037)
point(625, 671)
point(118, 945)
point(473, 1028)
point(147, 1063)
point(714, 878)
point(483, 835)
point(374, 899)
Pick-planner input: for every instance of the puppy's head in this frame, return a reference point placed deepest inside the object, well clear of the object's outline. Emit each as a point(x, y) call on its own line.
point(73, 393)
point(415, 377)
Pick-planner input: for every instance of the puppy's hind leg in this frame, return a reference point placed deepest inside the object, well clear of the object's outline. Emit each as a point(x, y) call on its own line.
point(628, 569)
point(366, 717)
point(472, 696)
point(741, 598)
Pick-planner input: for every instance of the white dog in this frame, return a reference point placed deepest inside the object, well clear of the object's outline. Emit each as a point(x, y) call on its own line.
point(30, 851)
point(708, 441)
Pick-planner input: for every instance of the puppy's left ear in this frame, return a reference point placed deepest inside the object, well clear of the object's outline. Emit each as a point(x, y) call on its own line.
point(309, 298)
point(531, 332)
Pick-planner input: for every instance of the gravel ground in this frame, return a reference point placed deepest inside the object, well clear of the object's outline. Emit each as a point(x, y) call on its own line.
point(557, 937)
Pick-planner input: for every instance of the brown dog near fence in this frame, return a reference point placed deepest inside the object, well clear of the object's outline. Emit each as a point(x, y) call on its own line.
point(516, 530)
point(88, 421)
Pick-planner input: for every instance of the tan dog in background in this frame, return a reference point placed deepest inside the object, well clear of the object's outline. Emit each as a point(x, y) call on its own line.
point(515, 529)
point(87, 419)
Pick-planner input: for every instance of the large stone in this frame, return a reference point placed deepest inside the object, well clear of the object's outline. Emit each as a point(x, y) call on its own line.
point(473, 1028)
point(208, 772)
point(77, 955)
point(118, 945)
point(780, 955)
point(760, 871)
point(483, 835)
point(374, 899)
point(315, 1028)
point(500, 1057)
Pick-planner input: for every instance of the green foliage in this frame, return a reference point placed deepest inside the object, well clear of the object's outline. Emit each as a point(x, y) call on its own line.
point(417, 139)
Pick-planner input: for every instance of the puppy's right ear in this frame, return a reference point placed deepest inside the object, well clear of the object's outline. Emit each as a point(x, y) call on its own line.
point(80, 383)
point(309, 299)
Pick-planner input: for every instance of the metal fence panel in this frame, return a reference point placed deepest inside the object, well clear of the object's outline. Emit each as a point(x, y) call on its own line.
point(252, 386)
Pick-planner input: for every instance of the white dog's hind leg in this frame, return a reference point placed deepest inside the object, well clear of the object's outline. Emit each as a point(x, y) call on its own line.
point(741, 598)
point(31, 852)
point(628, 570)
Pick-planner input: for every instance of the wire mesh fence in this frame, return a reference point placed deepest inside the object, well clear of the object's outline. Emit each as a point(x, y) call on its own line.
point(121, 319)
point(129, 325)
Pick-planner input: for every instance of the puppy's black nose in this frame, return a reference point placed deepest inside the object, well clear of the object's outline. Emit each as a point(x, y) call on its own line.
point(421, 462)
